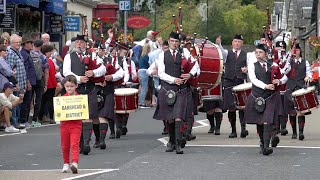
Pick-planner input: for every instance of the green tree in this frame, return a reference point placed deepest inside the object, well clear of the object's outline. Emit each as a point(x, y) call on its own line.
point(245, 20)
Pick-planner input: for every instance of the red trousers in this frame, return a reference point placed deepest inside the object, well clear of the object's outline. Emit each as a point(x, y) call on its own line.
point(70, 132)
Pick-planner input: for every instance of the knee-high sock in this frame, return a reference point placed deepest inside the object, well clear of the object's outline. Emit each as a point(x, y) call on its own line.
point(103, 131)
point(125, 120)
point(111, 125)
point(96, 131)
point(218, 117)
point(260, 133)
point(118, 121)
point(293, 122)
point(211, 120)
point(241, 117)
point(267, 132)
point(283, 122)
point(178, 132)
point(301, 121)
point(232, 119)
point(86, 132)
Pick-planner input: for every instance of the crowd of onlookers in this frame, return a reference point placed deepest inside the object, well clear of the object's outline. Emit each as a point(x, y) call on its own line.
point(315, 74)
point(29, 79)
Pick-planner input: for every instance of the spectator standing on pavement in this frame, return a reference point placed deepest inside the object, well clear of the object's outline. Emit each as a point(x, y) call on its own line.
point(27, 47)
point(42, 73)
point(47, 97)
point(70, 132)
point(7, 102)
point(5, 69)
point(15, 60)
point(315, 74)
point(142, 73)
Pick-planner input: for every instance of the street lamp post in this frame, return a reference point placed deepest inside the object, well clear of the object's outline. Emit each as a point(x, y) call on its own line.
point(207, 18)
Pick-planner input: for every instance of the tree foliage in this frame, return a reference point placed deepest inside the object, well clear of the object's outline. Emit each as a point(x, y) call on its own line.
point(226, 17)
point(245, 20)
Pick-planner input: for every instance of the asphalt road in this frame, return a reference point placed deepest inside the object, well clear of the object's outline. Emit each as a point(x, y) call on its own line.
point(140, 155)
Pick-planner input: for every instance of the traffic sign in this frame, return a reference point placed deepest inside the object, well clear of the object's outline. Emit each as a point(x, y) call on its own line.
point(124, 5)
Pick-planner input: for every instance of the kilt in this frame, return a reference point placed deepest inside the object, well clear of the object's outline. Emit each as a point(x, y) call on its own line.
point(210, 105)
point(108, 109)
point(228, 98)
point(179, 110)
point(270, 114)
point(93, 104)
point(288, 102)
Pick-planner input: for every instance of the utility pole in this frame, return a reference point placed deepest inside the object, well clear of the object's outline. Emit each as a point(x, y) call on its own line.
point(155, 16)
point(207, 19)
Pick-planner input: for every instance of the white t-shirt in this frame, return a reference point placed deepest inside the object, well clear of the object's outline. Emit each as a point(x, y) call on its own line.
point(7, 101)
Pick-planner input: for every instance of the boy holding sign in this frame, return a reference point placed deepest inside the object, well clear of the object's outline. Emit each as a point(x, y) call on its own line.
point(70, 132)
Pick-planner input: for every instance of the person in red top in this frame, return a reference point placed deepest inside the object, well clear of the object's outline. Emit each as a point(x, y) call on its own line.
point(70, 132)
point(50, 88)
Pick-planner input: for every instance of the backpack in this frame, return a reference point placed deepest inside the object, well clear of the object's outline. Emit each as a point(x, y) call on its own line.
point(136, 54)
point(37, 65)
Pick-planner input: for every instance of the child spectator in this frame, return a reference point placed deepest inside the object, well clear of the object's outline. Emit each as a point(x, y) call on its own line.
point(70, 132)
point(7, 102)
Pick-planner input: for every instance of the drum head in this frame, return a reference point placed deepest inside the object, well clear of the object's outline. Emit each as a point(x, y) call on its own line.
point(241, 87)
point(125, 91)
point(303, 91)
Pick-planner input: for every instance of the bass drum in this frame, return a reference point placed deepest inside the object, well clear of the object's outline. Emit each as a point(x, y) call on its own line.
point(211, 65)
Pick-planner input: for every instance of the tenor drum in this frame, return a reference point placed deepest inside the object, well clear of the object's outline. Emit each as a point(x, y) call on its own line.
point(213, 94)
point(241, 93)
point(126, 100)
point(211, 66)
point(305, 99)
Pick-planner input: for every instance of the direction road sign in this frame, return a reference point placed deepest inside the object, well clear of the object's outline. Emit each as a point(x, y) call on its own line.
point(124, 5)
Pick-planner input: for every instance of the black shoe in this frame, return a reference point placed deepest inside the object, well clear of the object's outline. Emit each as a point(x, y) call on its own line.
point(112, 136)
point(96, 144)
point(283, 132)
point(193, 137)
point(124, 131)
point(275, 141)
point(244, 133)
point(170, 147)
point(233, 135)
point(211, 130)
point(52, 121)
point(178, 149)
point(183, 143)
point(217, 132)
point(267, 151)
point(164, 132)
point(294, 136)
point(301, 136)
point(86, 150)
point(118, 133)
point(102, 145)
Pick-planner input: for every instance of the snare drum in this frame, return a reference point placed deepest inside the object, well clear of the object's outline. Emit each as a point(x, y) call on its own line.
point(126, 100)
point(214, 94)
point(305, 99)
point(241, 93)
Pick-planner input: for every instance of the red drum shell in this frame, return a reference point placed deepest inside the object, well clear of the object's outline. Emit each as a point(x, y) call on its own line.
point(212, 94)
point(241, 94)
point(305, 99)
point(126, 100)
point(211, 67)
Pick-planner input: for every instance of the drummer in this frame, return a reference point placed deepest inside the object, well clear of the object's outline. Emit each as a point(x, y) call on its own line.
point(299, 73)
point(235, 74)
point(265, 115)
point(106, 109)
point(173, 95)
point(122, 119)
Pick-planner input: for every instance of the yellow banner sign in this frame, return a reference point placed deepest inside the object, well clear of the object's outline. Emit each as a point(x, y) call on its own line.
point(68, 108)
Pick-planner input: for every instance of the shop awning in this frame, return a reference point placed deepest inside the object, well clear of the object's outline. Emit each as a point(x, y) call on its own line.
point(55, 6)
point(34, 3)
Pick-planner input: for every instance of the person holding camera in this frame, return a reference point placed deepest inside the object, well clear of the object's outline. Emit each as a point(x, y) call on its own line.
point(7, 102)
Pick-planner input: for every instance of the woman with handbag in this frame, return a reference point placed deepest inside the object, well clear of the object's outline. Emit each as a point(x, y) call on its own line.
point(262, 104)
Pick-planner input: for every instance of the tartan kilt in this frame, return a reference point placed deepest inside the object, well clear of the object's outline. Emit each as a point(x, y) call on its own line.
point(108, 109)
point(93, 104)
point(179, 110)
point(228, 98)
point(270, 114)
point(210, 105)
point(288, 102)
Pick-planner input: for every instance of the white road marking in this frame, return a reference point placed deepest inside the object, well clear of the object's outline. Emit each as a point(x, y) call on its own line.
point(11, 134)
point(23, 131)
point(45, 170)
point(130, 151)
point(91, 174)
point(302, 153)
point(256, 164)
point(34, 164)
point(220, 163)
point(144, 162)
point(296, 165)
point(163, 140)
point(203, 123)
point(30, 154)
